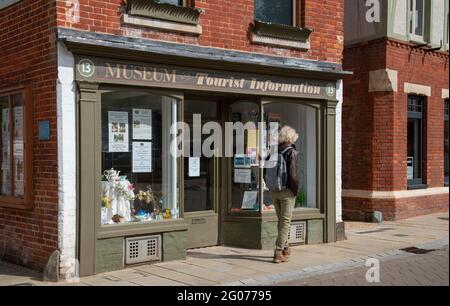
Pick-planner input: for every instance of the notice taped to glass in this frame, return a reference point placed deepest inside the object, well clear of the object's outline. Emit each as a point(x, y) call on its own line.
point(142, 157)
point(118, 131)
point(142, 124)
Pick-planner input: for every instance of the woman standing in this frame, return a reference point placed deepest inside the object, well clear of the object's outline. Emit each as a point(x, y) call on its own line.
point(284, 199)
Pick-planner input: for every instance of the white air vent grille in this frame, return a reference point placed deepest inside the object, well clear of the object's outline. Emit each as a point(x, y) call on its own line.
point(142, 249)
point(297, 232)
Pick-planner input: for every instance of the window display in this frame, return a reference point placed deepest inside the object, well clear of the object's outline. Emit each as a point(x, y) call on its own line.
point(5, 166)
point(246, 170)
point(140, 179)
point(12, 146)
point(303, 120)
point(245, 164)
point(18, 152)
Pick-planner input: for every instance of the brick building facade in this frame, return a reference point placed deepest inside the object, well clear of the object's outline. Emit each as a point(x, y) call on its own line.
point(391, 67)
point(47, 48)
point(29, 233)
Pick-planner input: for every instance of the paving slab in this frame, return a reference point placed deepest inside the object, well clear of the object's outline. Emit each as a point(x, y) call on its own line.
point(177, 276)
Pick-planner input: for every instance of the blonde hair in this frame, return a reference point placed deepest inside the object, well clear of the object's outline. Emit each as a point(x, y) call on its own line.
point(287, 135)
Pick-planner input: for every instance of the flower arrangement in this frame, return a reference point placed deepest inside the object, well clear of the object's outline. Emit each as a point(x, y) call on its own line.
point(125, 191)
point(146, 196)
point(106, 201)
point(167, 214)
point(116, 181)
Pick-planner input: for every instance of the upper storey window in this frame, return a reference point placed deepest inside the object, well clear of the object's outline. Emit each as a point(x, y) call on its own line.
point(279, 12)
point(277, 24)
point(164, 15)
point(417, 19)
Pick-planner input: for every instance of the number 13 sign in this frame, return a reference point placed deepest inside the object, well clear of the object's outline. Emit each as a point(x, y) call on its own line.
point(86, 68)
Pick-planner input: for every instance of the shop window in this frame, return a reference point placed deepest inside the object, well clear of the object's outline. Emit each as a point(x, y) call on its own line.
point(248, 190)
point(304, 121)
point(16, 137)
point(278, 12)
point(417, 19)
point(416, 107)
point(446, 141)
point(277, 23)
point(245, 164)
point(140, 175)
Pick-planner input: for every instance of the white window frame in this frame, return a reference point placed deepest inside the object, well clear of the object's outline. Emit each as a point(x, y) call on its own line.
point(446, 26)
point(411, 15)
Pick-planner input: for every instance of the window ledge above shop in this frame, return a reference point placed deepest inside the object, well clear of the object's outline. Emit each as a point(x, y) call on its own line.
point(162, 16)
point(281, 35)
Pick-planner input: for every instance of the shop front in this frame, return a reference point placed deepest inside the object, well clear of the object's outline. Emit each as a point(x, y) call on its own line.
point(141, 202)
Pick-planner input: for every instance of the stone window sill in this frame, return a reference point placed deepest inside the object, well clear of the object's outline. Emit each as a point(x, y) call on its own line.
point(417, 186)
point(277, 42)
point(159, 24)
point(281, 36)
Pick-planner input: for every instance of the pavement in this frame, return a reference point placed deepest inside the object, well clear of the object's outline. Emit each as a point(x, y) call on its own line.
point(407, 252)
point(430, 269)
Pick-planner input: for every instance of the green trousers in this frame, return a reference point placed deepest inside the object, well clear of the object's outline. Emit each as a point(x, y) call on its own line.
point(284, 202)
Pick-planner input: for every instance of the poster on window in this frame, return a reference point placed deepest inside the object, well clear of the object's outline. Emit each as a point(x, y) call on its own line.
point(242, 161)
point(18, 123)
point(273, 133)
point(142, 157)
point(118, 131)
point(250, 200)
point(5, 138)
point(243, 176)
point(194, 166)
point(5, 188)
point(410, 168)
point(142, 124)
point(252, 139)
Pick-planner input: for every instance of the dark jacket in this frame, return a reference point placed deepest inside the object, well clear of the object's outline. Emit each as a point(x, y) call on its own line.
point(293, 165)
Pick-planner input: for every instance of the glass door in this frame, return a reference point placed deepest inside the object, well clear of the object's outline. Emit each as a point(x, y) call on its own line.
point(200, 173)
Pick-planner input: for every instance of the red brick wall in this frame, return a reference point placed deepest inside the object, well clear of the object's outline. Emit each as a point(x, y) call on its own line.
point(360, 156)
point(430, 69)
point(225, 24)
point(27, 55)
point(375, 128)
point(360, 209)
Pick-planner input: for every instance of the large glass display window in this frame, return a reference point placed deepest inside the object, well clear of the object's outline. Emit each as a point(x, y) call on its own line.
point(140, 175)
point(249, 192)
point(303, 119)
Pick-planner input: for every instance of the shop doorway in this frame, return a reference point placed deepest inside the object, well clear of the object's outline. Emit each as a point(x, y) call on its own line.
point(201, 176)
